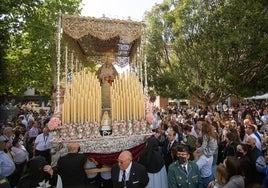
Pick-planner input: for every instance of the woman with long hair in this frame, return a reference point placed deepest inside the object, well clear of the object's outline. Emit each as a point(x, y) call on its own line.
point(220, 178)
point(210, 144)
point(247, 162)
point(235, 173)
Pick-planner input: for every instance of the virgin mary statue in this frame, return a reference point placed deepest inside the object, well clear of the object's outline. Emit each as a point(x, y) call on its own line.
point(107, 71)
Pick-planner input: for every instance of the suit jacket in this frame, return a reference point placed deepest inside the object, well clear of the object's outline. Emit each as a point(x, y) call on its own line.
point(167, 152)
point(138, 177)
point(71, 169)
point(238, 119)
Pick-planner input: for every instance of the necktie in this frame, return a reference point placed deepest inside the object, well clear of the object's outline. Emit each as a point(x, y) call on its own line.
point(184, 168)
point(169, 146)
point(124, 178)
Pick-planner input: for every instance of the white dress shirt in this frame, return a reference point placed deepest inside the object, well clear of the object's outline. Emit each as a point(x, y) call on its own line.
point(43, 142)
point(7, 166)
point(33, 132)
point(205, 165)
point(127, 173)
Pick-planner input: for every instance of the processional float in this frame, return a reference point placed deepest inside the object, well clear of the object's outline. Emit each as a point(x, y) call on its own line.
point(103, 110)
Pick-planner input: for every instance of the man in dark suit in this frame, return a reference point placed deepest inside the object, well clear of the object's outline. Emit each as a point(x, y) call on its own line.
point(167, 146)
point(71, 168)
point(127, 173)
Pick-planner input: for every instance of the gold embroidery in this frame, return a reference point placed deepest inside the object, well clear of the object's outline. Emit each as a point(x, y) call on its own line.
point(91, 37)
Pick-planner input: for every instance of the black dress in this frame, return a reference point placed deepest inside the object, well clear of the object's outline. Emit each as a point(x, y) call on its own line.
point(150, 156)
point(35, 176)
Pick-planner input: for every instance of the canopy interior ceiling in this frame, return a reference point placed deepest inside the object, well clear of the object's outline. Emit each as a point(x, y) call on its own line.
point(93, 38)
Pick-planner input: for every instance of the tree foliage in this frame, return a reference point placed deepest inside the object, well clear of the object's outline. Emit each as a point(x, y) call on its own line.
point(161, 74)
point(29, 30)
point(216, 48)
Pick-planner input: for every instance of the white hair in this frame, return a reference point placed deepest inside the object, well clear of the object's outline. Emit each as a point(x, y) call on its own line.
point(252, 139)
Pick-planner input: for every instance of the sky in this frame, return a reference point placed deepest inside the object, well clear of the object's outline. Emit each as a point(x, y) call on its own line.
point(120, 9)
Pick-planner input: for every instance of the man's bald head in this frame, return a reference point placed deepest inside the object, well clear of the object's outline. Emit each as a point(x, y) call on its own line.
point(73, 147)
point(124, 159)
point(125, 155)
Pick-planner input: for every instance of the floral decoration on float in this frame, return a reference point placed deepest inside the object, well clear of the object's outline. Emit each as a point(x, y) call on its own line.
point(91, 130)
point(54, 125)
point(125, 135)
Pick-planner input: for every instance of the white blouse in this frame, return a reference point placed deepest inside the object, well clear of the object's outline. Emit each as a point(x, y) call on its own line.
point(21, 154)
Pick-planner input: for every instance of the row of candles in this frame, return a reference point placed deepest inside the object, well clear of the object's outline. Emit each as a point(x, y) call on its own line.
point(127, 99)
point(82, 100)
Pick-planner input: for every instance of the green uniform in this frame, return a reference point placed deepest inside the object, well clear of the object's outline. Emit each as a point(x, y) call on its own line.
point(178, 178)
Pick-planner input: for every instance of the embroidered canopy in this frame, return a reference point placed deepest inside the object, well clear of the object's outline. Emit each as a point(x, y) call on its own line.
point(91, 38)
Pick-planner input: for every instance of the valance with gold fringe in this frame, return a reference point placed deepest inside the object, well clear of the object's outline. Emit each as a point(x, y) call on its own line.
point(92, 37)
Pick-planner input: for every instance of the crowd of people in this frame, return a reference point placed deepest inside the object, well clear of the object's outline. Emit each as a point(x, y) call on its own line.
point(190, 147)
point(203, 147)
